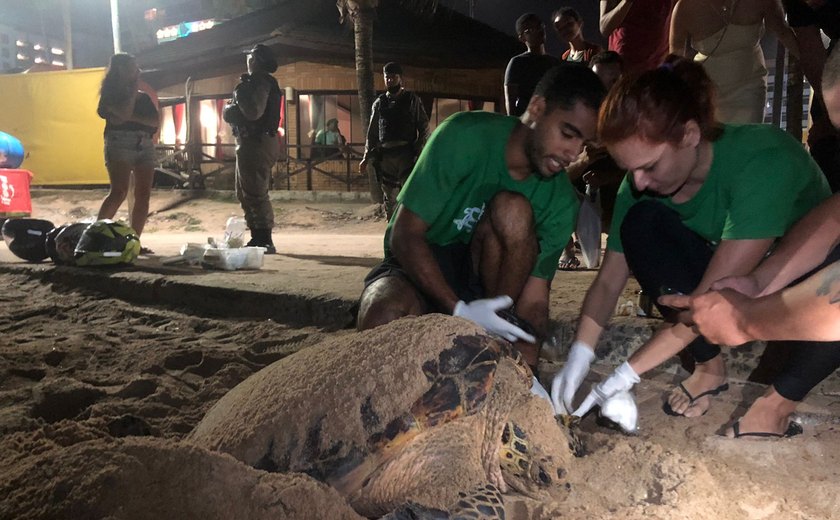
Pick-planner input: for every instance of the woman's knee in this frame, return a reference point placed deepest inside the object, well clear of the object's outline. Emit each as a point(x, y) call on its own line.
point(642, 220)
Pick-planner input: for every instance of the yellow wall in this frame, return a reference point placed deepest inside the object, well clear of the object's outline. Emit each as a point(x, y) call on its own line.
point(54, 116)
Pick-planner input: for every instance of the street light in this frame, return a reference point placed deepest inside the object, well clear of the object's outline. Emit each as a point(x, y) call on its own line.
point(115, 25)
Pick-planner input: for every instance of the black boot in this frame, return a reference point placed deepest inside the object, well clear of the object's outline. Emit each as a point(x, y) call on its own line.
point(262, 238)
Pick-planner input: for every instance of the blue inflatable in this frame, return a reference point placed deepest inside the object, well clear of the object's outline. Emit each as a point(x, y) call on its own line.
point(11, 151)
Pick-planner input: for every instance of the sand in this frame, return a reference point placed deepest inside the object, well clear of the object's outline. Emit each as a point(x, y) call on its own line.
point(97, 397)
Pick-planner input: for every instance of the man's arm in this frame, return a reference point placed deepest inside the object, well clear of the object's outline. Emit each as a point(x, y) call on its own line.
point(252, 97)
point(613, 13)
point(372, 139)
point(807, 311)
point(409, 245)
point(732, 257)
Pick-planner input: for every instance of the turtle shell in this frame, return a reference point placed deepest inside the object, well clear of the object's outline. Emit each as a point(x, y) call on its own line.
point(337, 405)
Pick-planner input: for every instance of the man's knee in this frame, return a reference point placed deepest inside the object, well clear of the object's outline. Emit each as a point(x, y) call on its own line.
point(510, 216)
point(385, 300)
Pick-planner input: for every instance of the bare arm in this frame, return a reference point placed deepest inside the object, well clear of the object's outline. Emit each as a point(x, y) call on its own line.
point(532, 304)
point(732, 258)
point(600, 300)
point(409, 245)
point(807, 311)
point(511, 93)
point(372, 139)
point(117, 113)
point(613, 13)
point(774, 20)
point(679, 36)
point(803, 247)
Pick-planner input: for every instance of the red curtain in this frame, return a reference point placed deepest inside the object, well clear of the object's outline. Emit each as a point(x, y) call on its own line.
point(178, 118)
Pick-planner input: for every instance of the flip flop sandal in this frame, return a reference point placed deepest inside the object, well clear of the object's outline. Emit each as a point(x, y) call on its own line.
point(792, 430)
point(568, 264)
point(666, 407)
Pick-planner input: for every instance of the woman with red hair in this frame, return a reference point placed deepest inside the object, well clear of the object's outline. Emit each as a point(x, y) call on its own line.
point(701, 201)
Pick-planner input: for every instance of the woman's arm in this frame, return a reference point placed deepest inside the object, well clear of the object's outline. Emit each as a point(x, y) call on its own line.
point(613, 13)
point(600, 300)
point(774, 20)
point(116, 112)
point(732, 258)
point(679, 37)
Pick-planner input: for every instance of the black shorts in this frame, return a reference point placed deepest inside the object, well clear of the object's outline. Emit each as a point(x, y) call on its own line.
point(454, 261)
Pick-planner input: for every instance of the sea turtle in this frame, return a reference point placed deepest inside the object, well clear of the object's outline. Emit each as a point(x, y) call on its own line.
point(414, 411)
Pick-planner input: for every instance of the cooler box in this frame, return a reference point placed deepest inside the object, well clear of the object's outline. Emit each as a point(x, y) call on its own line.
point(14, 193)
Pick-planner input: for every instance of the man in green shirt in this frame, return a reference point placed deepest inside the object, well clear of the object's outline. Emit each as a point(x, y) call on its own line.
point(485, 214)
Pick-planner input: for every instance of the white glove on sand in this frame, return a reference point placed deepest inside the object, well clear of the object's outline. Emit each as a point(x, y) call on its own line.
point(622, 380)
point(621, 409)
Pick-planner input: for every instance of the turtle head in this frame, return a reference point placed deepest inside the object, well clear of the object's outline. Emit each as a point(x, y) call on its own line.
point(534, 450)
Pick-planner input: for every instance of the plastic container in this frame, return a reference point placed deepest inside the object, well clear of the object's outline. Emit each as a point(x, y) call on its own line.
point(235, 232)
point(232, 259)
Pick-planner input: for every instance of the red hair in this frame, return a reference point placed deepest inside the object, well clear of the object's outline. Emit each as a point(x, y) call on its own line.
point(656, 105)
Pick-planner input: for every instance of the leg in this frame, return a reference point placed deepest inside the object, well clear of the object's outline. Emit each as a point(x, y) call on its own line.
point(387, 299)
point(254, 158)
point(119, 173)
point(661, 251)
point(504, 249)
point(393, 170)
point(143, 177)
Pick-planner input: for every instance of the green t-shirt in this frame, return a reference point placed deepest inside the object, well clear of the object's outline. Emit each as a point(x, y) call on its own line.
point(760, 182)
point(463, 166)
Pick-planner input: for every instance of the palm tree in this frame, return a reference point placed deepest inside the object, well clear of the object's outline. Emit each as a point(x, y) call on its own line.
point(362, 13)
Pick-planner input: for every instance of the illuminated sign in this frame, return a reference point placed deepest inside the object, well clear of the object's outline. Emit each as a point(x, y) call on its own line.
point(173, 32)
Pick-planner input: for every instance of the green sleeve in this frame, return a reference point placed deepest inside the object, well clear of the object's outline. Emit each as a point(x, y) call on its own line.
point(624, 200)
point(761, 209)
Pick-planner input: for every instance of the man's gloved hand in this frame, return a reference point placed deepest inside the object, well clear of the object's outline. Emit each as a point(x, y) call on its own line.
point(566, 382)
point(621, 409)
point(621, 380)
point(483, 312)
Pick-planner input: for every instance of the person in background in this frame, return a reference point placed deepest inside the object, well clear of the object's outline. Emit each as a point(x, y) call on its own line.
point(254, 115)
point(329, 141)
point(398, 130)
point(810, 20)
point(726, 35)
point(525, 70)
point(131, 120)
point(569, 27)
point(637, 30)
point(701, 201)
point(595, 168)
point(494, 239)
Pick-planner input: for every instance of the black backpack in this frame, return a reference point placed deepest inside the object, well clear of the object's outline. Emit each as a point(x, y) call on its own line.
point(27, 237)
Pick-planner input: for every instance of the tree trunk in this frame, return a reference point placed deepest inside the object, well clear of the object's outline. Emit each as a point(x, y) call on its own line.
point(363, 16)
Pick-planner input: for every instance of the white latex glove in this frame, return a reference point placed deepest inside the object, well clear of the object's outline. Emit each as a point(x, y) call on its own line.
point(483, 312)
point(539, 390)
point(621, 380)
point(566, 382)
point(621, 409)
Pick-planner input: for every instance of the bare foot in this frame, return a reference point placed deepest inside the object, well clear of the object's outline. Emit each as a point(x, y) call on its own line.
point(769, 414)
point(707, 376)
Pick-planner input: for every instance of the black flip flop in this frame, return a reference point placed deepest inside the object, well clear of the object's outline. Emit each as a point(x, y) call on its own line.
point(792, 430)
point(666, 407)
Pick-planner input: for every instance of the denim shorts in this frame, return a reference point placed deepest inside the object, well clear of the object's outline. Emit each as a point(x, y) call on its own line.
point(134, 147)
